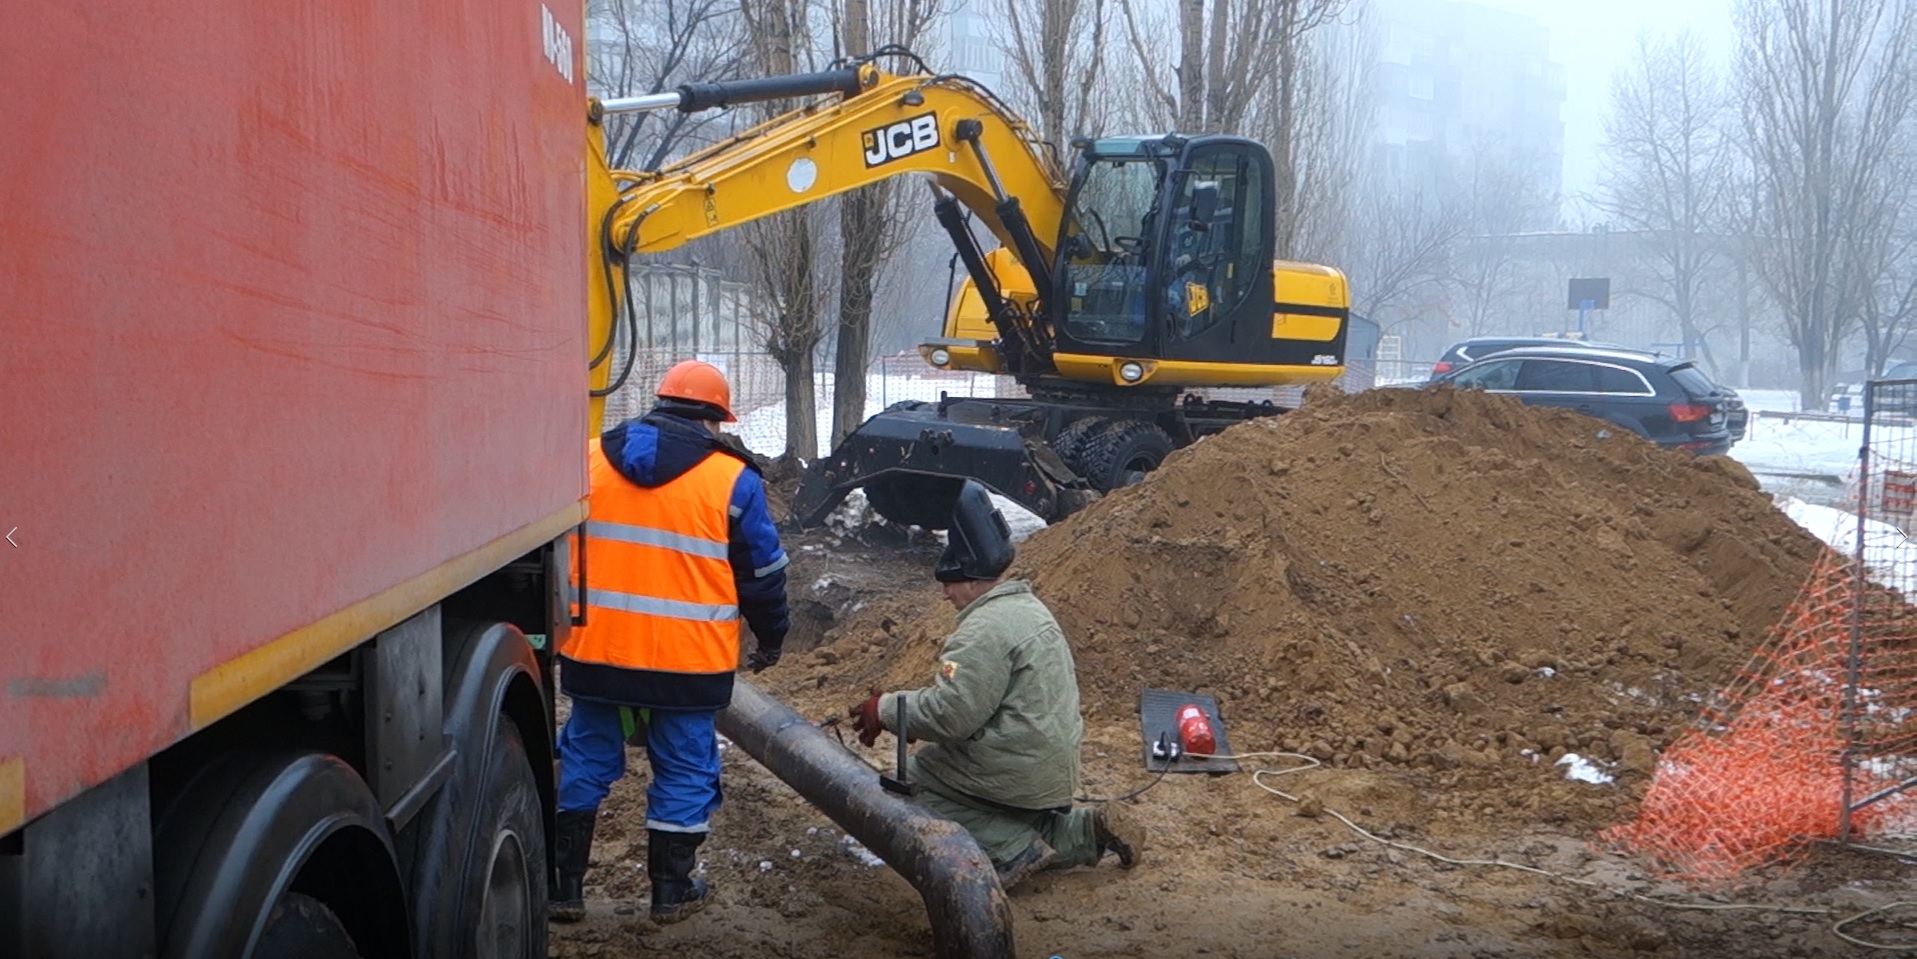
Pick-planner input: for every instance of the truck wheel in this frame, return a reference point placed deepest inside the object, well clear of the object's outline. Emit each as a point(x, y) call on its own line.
point(250, 833)
point(909, 499)
point(510, 862)
point(301, 927)
point(1123, 452)
point(1070, 443)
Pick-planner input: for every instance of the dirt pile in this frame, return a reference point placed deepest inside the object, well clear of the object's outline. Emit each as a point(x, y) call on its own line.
point(1448, 583)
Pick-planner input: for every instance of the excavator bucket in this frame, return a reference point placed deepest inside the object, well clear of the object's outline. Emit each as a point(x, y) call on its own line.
point(912, 458)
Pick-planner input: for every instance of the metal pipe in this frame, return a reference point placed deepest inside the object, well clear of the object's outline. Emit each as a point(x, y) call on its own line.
point(970, 916)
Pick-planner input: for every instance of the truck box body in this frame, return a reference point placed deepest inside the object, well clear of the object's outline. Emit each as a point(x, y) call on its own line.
point(291, 346)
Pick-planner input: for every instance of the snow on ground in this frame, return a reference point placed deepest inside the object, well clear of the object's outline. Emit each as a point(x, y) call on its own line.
point(1810, 460)
point(1780, 400)
point(1584, 770)
point(1888, 554)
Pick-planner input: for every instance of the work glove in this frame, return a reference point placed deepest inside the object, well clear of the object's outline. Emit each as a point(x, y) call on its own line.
point(865, 721)
point(761, 657)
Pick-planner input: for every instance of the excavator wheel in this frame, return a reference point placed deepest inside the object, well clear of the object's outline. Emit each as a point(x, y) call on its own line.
point(1070, 444)
point(909, 499)
point(1122, 453)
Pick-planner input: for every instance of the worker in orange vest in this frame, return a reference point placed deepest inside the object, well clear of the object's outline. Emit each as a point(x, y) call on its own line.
point(680, 548)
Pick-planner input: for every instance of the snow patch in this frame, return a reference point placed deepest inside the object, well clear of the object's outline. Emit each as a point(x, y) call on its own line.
point(858, 851)
point(1584, 770)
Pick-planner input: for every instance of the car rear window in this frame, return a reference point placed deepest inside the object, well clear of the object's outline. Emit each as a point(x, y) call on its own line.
point(1693, 380)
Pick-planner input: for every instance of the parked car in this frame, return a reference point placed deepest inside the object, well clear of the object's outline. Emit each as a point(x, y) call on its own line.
point(1479, 347)
point(1667, 400)
point(1847, 394)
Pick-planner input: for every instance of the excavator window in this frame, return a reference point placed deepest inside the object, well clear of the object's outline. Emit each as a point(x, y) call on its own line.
point(1214, 243)
point(1110, 217)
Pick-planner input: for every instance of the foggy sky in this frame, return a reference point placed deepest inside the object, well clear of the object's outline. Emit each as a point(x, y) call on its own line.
point(1592, 38)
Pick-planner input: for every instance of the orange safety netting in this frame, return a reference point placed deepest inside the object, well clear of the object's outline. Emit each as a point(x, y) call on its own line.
point(1762, 774)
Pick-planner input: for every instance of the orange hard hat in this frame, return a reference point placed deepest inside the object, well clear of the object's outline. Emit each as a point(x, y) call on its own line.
point(698, 382)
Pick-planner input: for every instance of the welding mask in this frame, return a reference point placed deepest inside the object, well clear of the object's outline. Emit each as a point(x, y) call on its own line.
point(978, 545)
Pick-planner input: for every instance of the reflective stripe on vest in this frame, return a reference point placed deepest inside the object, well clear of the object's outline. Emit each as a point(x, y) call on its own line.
point(661, 592)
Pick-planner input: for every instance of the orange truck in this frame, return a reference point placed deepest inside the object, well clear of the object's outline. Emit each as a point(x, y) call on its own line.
point(291, 410)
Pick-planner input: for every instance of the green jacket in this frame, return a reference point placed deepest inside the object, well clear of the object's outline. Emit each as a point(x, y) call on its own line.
point(1000, 721)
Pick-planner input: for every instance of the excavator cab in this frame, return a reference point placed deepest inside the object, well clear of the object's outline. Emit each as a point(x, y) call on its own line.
point(1165, 250)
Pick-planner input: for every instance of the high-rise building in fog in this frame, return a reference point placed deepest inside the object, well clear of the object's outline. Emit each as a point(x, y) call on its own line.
point(1456, 77)
point(971, 48)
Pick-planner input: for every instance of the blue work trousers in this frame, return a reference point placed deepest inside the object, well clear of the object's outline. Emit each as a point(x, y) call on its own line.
point(682, 747)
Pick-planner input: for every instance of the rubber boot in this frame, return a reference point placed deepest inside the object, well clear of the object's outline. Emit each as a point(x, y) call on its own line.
point(572, 849)
point(1118, 831)
point(670, 858)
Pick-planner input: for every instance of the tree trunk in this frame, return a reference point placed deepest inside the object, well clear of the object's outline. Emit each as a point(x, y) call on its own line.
point(1217, 58)
point(1191, 66)
point(859, 214)
point(801, 406)
point(1743, 377)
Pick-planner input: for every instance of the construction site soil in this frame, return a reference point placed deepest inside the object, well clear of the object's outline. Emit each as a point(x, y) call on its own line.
point(1436, 595)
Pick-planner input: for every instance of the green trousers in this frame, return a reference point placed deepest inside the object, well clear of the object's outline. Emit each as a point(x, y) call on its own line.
point(1003, 834)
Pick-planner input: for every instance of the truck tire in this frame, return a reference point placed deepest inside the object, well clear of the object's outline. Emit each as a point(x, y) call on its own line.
point(1122, 453)
point(510, 856)
point(301, 927)
point(909, 499)
point(254, 828)
point(479, 845)
point(1070, 443)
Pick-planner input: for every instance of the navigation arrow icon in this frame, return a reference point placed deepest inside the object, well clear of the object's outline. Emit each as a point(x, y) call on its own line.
point(10, 541)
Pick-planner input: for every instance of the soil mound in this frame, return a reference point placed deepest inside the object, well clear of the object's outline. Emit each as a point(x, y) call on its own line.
point(1449, 583)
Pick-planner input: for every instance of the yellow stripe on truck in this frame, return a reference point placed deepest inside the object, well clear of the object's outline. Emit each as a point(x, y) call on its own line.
point(222, 690)
point(13, 794)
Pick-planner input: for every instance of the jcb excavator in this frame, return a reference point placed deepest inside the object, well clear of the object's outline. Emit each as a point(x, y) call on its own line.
point(1149, 272)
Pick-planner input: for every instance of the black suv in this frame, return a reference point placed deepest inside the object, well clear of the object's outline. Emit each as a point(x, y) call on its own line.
point(1479, 347)
point(1666, 400)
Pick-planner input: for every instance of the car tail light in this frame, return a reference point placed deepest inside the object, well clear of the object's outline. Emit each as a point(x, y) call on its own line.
point(1442, 366)
point(1689, 412)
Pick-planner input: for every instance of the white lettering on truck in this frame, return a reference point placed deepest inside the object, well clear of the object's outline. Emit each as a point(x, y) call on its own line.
point(557, 41)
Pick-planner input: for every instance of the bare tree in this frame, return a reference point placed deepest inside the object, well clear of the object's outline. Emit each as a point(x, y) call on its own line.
point(1501, 195)
point(871, 219)
point(647, 46)
point(1231, 53)
point(1399, 246)
point(1824, 91)
point(1666, 173)
point(1881, 272)
point(783, 247)
point(1055, 55)
point(1323, 137)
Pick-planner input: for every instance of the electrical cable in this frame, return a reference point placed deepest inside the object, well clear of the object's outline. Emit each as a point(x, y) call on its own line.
point(1836, 928)
point(1134, 794)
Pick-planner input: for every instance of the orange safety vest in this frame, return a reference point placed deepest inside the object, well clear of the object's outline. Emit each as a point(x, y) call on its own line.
point(660, 593)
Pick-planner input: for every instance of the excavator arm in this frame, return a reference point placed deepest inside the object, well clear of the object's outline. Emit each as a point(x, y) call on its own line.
point(975, 152)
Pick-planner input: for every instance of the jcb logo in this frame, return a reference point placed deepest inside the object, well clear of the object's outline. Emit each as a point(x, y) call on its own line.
point(901, 139)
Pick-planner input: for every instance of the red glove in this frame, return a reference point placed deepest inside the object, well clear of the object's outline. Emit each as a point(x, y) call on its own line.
point(865, 721)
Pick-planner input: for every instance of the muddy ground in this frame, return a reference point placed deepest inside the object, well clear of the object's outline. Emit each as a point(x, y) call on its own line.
point(1437, 597)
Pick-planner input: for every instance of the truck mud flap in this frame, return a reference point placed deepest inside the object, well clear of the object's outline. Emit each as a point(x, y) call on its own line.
point(912, 458)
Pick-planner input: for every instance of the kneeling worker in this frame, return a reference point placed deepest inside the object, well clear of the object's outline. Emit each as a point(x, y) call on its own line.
point(1001, 719)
